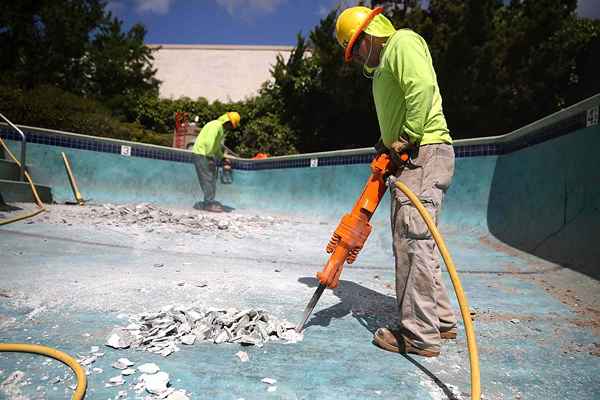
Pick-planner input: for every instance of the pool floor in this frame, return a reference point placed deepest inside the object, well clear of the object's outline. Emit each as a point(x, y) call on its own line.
point(69, 278)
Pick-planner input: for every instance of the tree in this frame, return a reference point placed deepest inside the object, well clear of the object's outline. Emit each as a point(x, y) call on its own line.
point(326, 102)
point(120, 65)
point(44, 41)
point(75, 45)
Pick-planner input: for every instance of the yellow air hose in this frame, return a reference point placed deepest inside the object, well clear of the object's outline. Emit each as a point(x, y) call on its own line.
point(34, 348)
point(58, 355)
point(460, 294)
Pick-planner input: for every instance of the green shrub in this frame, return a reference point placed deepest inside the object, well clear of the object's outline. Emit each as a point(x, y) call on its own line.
point(53, 108)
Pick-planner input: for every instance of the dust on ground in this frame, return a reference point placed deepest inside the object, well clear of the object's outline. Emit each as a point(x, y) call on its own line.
point(580, 293)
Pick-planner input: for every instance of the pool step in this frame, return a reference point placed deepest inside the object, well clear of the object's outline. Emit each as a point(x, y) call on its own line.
point(9, 170)
point(13, 191)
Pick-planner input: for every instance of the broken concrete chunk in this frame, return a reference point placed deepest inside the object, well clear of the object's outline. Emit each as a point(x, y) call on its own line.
point(155, 383)
point(188, 339)
point(115, 381)
point(178, 395)
point(291, 336)
point(87, 360)
point(122, 363)
point(149, 368)
point(243, 356)
point(119, 339)
point(128, 371)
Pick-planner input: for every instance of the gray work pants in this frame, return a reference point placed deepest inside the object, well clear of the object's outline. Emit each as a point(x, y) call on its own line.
point(206, 168)
point(422, 297)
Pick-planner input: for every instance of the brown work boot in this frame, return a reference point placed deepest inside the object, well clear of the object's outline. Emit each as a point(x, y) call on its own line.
point(214, 207)
point(449, 334)
point(393, 341)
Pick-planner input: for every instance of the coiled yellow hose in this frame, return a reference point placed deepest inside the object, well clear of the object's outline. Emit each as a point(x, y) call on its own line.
point(56, 354)
point(460, 294)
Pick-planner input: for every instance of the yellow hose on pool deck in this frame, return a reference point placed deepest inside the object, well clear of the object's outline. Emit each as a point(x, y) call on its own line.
point(460, 294)
point(34, 348)
point(59, 355)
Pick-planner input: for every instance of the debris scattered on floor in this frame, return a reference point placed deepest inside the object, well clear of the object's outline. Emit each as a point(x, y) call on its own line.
point(155, 383)
point(161, 332)
point(243, 356)
point(119, 339)
point(269, 381)
point(152, 218)
point(11, 386)
point(122, 363)
point(149, 368)
point(115, 381)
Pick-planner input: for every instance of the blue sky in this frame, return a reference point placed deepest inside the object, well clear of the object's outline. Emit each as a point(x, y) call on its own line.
point(261, 22)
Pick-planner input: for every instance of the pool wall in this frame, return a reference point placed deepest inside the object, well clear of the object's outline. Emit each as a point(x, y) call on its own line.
point(536, 189)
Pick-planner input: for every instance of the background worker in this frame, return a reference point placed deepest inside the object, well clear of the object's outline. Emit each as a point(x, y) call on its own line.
point(409, 109)
point(208, 150)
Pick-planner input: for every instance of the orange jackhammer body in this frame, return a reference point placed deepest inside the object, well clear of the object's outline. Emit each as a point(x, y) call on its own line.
point(352, 232)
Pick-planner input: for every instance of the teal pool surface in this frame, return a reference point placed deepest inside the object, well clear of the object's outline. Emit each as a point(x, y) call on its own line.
point(522, 229)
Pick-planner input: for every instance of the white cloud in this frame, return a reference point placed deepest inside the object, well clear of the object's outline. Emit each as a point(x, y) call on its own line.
point(160, 7)
point(245, 7)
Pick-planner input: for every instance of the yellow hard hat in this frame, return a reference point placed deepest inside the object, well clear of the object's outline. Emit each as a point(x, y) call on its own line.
point(234, 118)
point(350, 24)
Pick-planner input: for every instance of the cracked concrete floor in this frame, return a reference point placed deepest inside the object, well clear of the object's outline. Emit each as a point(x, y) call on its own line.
point(68, 279)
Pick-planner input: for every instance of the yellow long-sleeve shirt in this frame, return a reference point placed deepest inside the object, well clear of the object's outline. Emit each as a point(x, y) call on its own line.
point(406, 93)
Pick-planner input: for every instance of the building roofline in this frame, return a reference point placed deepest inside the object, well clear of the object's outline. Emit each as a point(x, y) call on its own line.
point(219, 47)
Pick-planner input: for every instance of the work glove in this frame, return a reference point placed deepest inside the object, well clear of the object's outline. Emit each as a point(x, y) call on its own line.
point(398, 149)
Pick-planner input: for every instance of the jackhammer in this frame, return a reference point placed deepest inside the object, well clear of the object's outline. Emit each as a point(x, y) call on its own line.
point(351, 234)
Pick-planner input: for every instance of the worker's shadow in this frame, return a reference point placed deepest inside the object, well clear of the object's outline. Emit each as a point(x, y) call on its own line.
point(7, 207)
point(371, 309)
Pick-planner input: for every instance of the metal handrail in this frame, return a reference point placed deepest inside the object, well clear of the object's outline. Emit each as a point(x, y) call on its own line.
point(23, 147)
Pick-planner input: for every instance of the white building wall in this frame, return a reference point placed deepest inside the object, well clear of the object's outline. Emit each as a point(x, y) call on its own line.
point(216, 72)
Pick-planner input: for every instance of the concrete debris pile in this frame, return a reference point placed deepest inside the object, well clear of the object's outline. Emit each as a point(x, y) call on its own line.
point(152, 218)
point(163, 331)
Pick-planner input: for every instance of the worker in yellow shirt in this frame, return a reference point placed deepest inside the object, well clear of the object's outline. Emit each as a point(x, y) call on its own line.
point(208, 150)
point(409, 110)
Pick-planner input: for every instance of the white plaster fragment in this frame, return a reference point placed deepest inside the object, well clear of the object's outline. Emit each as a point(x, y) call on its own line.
point(123, 363)
point(119, 339)
point(149, 368)
point(178, 395)
point(155, 383)
point(128, 371)
point(243, 356)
